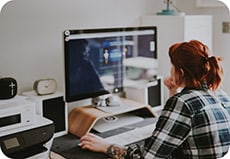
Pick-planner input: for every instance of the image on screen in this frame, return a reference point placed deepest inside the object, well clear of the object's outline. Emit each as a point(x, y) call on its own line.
point(100, 61)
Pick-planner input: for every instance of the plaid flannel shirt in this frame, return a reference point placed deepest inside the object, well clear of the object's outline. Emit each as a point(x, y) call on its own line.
point(194, 124)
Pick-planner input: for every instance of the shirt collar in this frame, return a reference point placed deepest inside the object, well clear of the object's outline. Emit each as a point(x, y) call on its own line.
point(204, 87)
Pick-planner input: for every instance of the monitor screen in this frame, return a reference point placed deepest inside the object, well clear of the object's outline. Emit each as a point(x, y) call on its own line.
point(101, 61)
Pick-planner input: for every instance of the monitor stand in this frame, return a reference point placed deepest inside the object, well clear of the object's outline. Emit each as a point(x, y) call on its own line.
point(82, 119)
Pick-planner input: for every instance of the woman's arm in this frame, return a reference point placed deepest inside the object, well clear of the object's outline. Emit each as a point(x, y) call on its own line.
point(94, 143)
point(98, 144)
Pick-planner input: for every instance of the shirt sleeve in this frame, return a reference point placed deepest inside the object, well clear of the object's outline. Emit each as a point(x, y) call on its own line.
point(171, 130)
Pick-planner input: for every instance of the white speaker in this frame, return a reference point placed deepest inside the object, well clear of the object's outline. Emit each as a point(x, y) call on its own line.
point(150, 93)
point(53, 107)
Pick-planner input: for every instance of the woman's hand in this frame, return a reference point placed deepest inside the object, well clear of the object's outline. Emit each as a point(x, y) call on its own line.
point(94, 143)
point(171, 85)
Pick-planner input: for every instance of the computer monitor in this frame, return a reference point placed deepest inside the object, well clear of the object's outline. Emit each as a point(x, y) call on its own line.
point(101, 61)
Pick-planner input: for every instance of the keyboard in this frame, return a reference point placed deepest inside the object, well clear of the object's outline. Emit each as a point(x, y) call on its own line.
point(129, 137)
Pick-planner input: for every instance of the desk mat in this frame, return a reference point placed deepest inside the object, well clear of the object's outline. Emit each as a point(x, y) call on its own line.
point(67, 145)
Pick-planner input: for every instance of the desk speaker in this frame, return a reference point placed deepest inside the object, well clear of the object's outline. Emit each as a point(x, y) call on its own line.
point(8, 88)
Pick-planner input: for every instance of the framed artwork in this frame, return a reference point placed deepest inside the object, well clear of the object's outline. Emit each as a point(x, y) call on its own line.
point(209, 3)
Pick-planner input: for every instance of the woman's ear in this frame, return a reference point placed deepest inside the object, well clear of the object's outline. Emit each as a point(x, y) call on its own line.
point(179, 76)
point(181, 72)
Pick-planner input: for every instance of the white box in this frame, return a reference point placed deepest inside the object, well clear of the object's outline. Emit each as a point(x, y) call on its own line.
point(150, 93)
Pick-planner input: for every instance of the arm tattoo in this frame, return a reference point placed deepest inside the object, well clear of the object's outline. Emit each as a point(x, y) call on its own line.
point(133, 151)
point(116, 152)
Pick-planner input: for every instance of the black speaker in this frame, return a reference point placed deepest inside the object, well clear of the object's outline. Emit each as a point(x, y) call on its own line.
point(54, 109)
point(8, 88)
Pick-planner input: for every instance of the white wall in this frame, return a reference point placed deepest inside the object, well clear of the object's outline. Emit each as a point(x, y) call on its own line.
point(31, 44)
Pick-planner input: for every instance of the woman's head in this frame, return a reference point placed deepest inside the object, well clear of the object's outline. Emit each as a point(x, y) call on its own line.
point(194, 66)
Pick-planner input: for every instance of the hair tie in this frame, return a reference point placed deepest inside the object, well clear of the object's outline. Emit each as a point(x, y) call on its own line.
point(205, 59)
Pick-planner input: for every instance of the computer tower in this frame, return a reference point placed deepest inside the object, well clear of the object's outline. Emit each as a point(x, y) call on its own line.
point(53, 107)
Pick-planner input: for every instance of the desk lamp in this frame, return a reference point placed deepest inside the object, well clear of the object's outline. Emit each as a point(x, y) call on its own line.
point(167, 11)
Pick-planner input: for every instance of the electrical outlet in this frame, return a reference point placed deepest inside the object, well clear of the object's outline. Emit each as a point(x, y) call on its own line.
point(226, 27)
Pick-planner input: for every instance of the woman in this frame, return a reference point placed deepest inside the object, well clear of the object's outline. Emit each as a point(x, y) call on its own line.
point(194, 123)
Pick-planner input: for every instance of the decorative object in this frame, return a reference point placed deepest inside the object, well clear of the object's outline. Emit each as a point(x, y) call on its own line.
point(167, 11)
point(45, 86)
